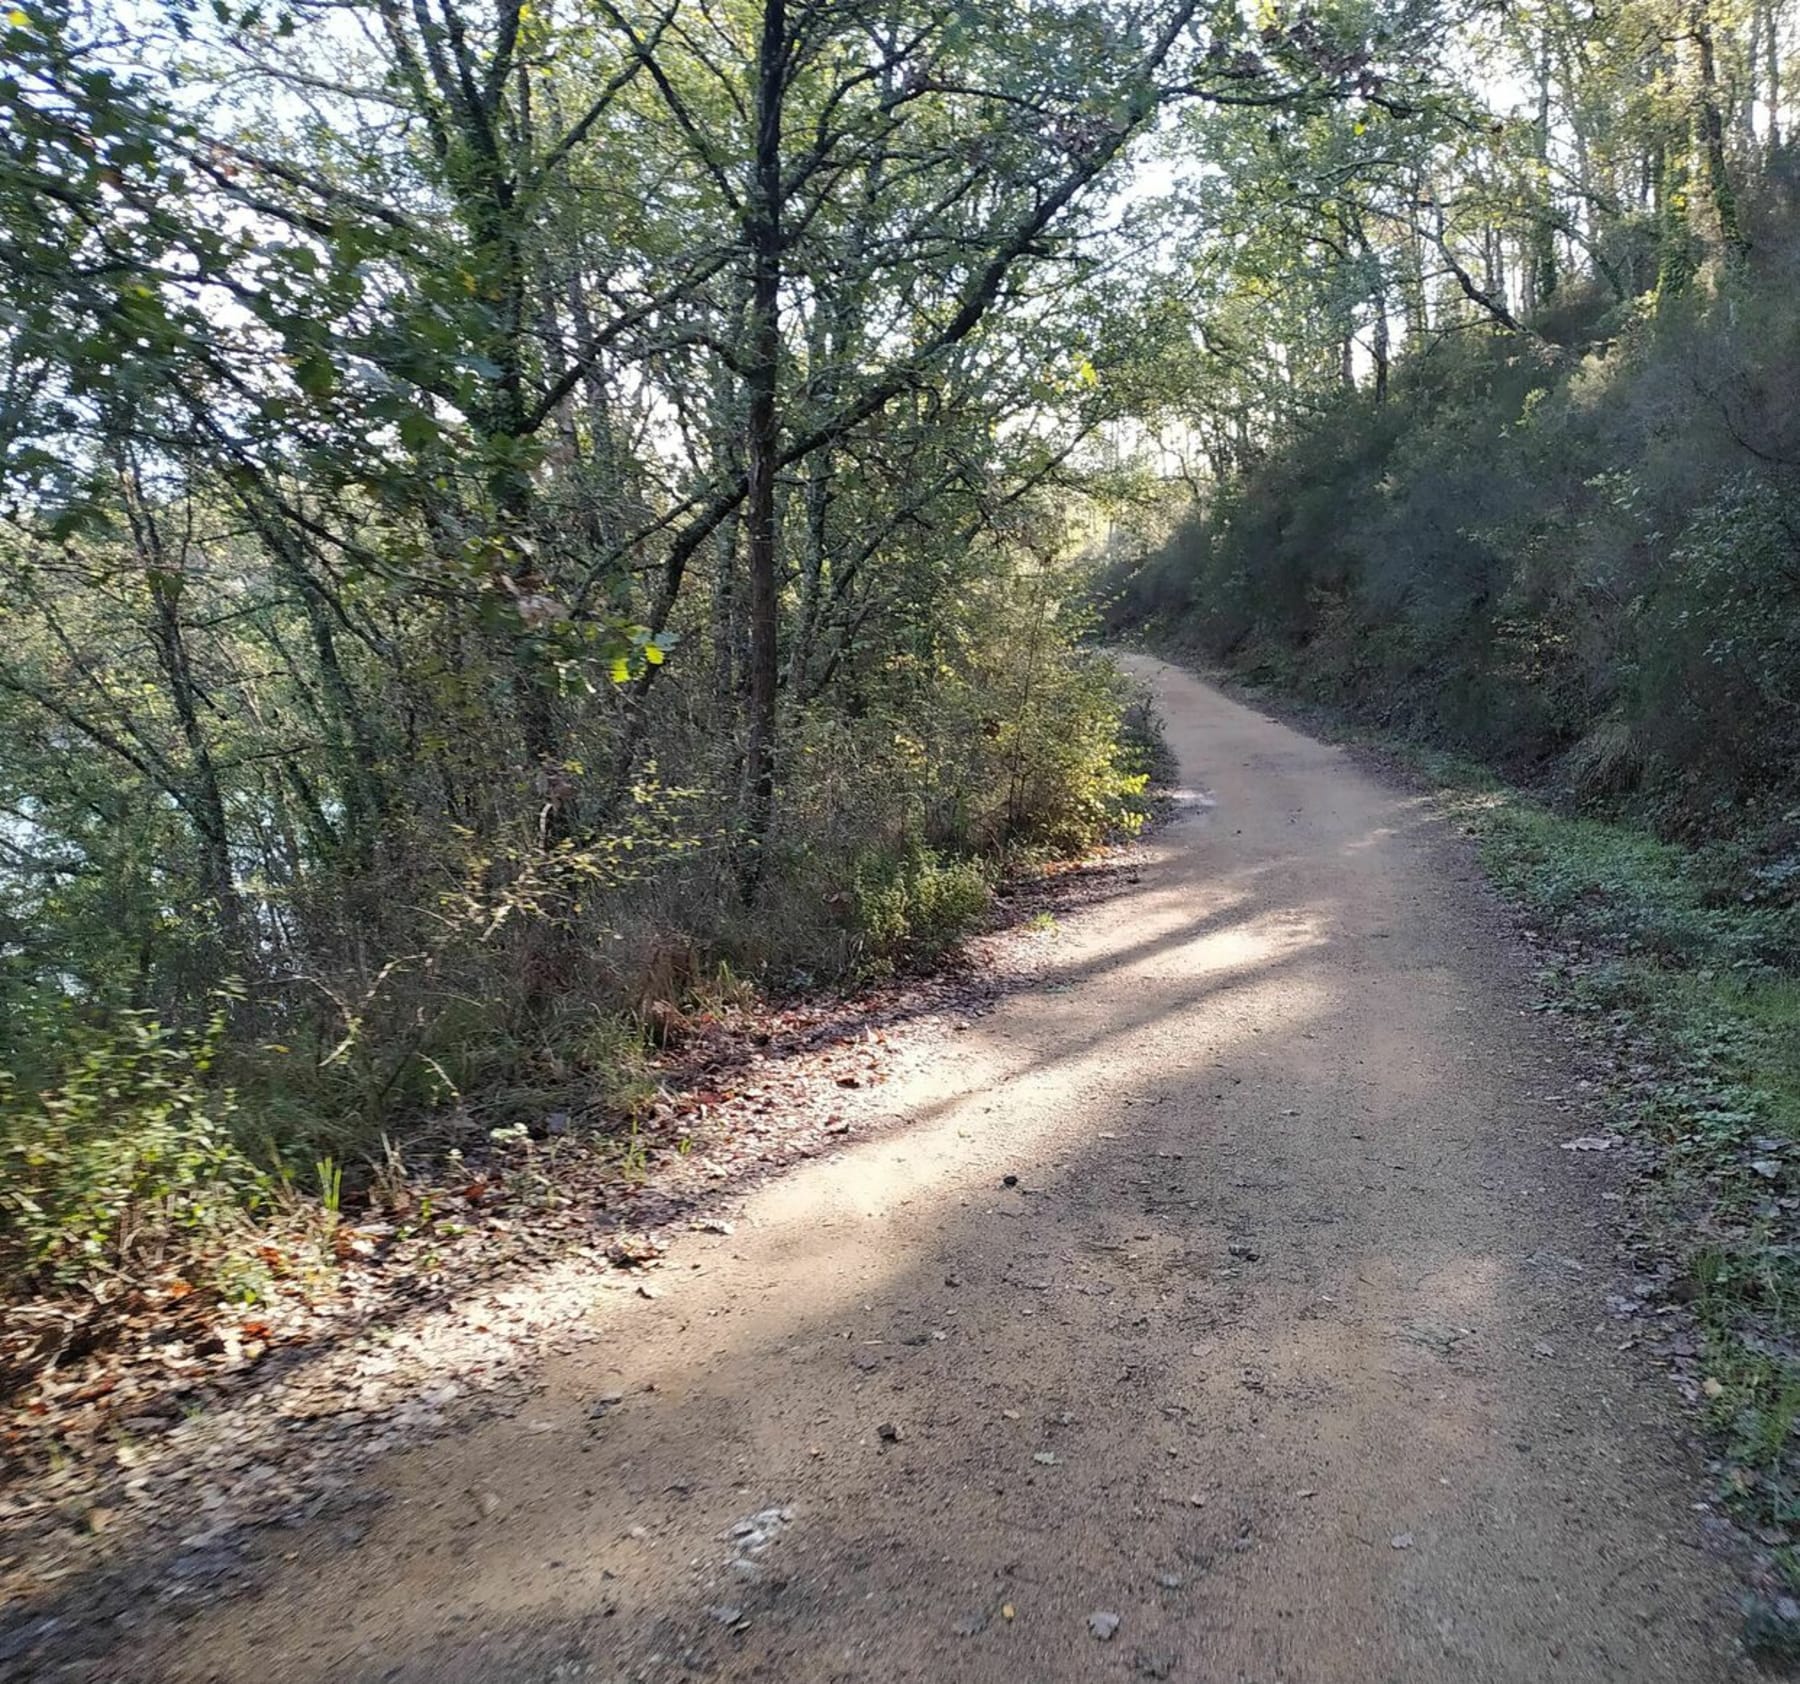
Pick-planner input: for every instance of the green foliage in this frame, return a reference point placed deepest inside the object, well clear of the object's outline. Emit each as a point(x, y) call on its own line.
point(1006, 747)
point(1633, 893)
point(1576, 559)
point(127, 1156)
point(914, 906)
point(1717, 680)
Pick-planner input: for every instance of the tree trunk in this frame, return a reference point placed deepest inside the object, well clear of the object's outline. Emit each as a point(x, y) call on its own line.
point(361, 786)
point(725, 626)
point(817, 498)
point(762, 233)
point(1412, 280)
point(1378, 343)
point(1540, 284)
point(1709, 122)
point(1773, 14)
point(1675, 240)
point(205, 804)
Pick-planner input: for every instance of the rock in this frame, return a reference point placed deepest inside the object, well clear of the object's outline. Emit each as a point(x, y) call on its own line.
point(1170, 1581)
point(758, 1531)
point(1009, 1181)
point(1149, 1664)
point(1103, 1627)
point(1402, 1540)
point(1245, 1253)
point(889, 1432)
point(632, 1251)
point(726, 1615)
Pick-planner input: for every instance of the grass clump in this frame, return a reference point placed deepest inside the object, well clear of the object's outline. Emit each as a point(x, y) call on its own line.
point(915, 906)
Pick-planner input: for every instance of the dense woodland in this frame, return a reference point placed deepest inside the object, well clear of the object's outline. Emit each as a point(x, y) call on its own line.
point(517, 519)
point(1501, 425)
point(514, 516)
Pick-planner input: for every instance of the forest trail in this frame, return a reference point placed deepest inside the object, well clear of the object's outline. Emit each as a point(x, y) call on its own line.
point(1288, 1349)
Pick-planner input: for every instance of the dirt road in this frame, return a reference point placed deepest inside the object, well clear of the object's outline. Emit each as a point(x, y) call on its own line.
point(1286, 1354)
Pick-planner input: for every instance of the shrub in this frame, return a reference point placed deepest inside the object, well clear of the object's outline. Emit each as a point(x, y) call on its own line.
point(1717, 681)
point(127, 1155)
point(915, 906)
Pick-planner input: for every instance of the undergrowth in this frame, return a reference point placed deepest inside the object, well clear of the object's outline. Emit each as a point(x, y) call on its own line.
point(131, 1145)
